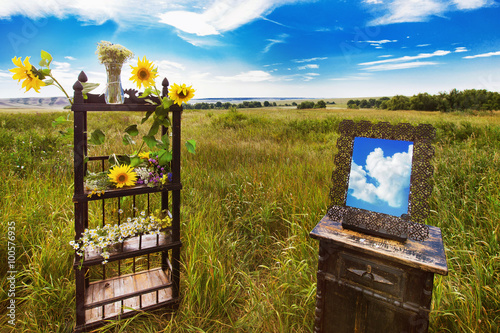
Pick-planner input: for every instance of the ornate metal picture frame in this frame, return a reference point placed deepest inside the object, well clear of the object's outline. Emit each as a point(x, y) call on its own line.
point(410, 225)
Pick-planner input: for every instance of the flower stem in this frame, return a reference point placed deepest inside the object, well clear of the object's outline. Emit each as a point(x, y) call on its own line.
point(61, 87)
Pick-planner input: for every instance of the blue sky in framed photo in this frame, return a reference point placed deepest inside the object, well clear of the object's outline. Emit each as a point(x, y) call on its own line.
point(265, 48)
point(380, 174)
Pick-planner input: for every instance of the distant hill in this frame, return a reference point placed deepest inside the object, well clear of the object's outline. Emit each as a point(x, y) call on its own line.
point(61, 102)
point(33, 102)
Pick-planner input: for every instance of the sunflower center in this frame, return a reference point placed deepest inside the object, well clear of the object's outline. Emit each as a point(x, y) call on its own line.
point(143, 74)
point(181, 95)
point(122, 178)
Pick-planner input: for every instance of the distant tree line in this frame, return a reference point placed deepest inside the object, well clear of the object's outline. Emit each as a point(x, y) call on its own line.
point(254, 104)
point(228, 105)
point(311, 105)
point(455, 100)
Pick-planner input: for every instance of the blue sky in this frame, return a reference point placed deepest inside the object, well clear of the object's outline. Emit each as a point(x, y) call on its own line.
point(266, 48)
point(380, 175)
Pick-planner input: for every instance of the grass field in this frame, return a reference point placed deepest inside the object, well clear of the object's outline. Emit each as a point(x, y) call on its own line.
point(256, 187)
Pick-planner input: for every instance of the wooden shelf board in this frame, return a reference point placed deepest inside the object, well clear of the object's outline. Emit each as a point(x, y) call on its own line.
point(124, 192)
point(132, 247)
point(121, 287)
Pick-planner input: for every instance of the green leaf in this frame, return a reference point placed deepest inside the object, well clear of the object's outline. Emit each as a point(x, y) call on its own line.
point(164, 157)
point(43, 63)
point(127, 140)
point(166, 102)
point(97, 137)
point(135, 161)
point(150, 141)
point(165, 122)
point(166, 140)
point(146, 92)
point(160, 111)
point(48, 82)
point(58, 121)
point(47, 57)
point(38, 73)
point(191, 146)
point(88, 87)
point(46, 71)
point(132, 130)
point(146, 117)
point(149, 101)
point(154, 128)
point(67, 134)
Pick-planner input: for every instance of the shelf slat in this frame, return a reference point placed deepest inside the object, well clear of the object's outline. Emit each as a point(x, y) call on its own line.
point(131, 248)
point(124, 288)
point(124, 192)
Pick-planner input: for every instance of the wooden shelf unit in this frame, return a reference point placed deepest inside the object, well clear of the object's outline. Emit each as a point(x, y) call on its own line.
point(146, 288)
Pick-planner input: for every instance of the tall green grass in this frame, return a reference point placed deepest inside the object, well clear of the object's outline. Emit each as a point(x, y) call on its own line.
point(256, 187)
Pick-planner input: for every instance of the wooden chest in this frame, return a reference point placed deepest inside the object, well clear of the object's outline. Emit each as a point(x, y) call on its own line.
point(370, 284)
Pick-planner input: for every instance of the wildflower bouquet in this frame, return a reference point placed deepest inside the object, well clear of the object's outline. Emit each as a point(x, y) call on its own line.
point(109, 52)
point(148, 172)
point(126, 170)
point(103, 239)
point(145, 168)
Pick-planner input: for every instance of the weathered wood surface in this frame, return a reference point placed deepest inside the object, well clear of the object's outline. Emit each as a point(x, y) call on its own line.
point(132, 244)
point(428, 255)
point(121, 287)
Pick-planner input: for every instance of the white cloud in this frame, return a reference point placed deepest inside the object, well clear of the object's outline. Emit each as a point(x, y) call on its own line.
point(472, 4)
point(6, 74)
point(378, 42)
point(483, 55)
point(385, 56)
point(438, 53)
point(461, 49)
point(399, 11)
point(250, 76)
point(94, 11)
point(360, 76)
point(404, 65)
point(423, 45)
point(70, 58)
point(220, 16)
point(362, 189)
point(200, 41)
point(165, 65)
point(192, 23)
point(279, 40)
point(299, 61)
point(308, 66)
point(392, 175)
point(196, 17)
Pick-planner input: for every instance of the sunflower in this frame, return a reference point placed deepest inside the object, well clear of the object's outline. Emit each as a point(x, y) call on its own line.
point(144, 156)
point(33, 82)
point(181, 93)
point(24, 71)
point(122, 175)
point(144, 74)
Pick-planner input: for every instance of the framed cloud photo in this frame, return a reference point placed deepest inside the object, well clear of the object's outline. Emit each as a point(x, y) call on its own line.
point(383, 178)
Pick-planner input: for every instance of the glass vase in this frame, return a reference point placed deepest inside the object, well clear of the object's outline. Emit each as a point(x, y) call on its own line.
point(114, 91)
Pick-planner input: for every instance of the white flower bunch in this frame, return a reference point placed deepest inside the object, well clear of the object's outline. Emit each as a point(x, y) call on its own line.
point(101, 238)
point(143, 173)
point(109, 52)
